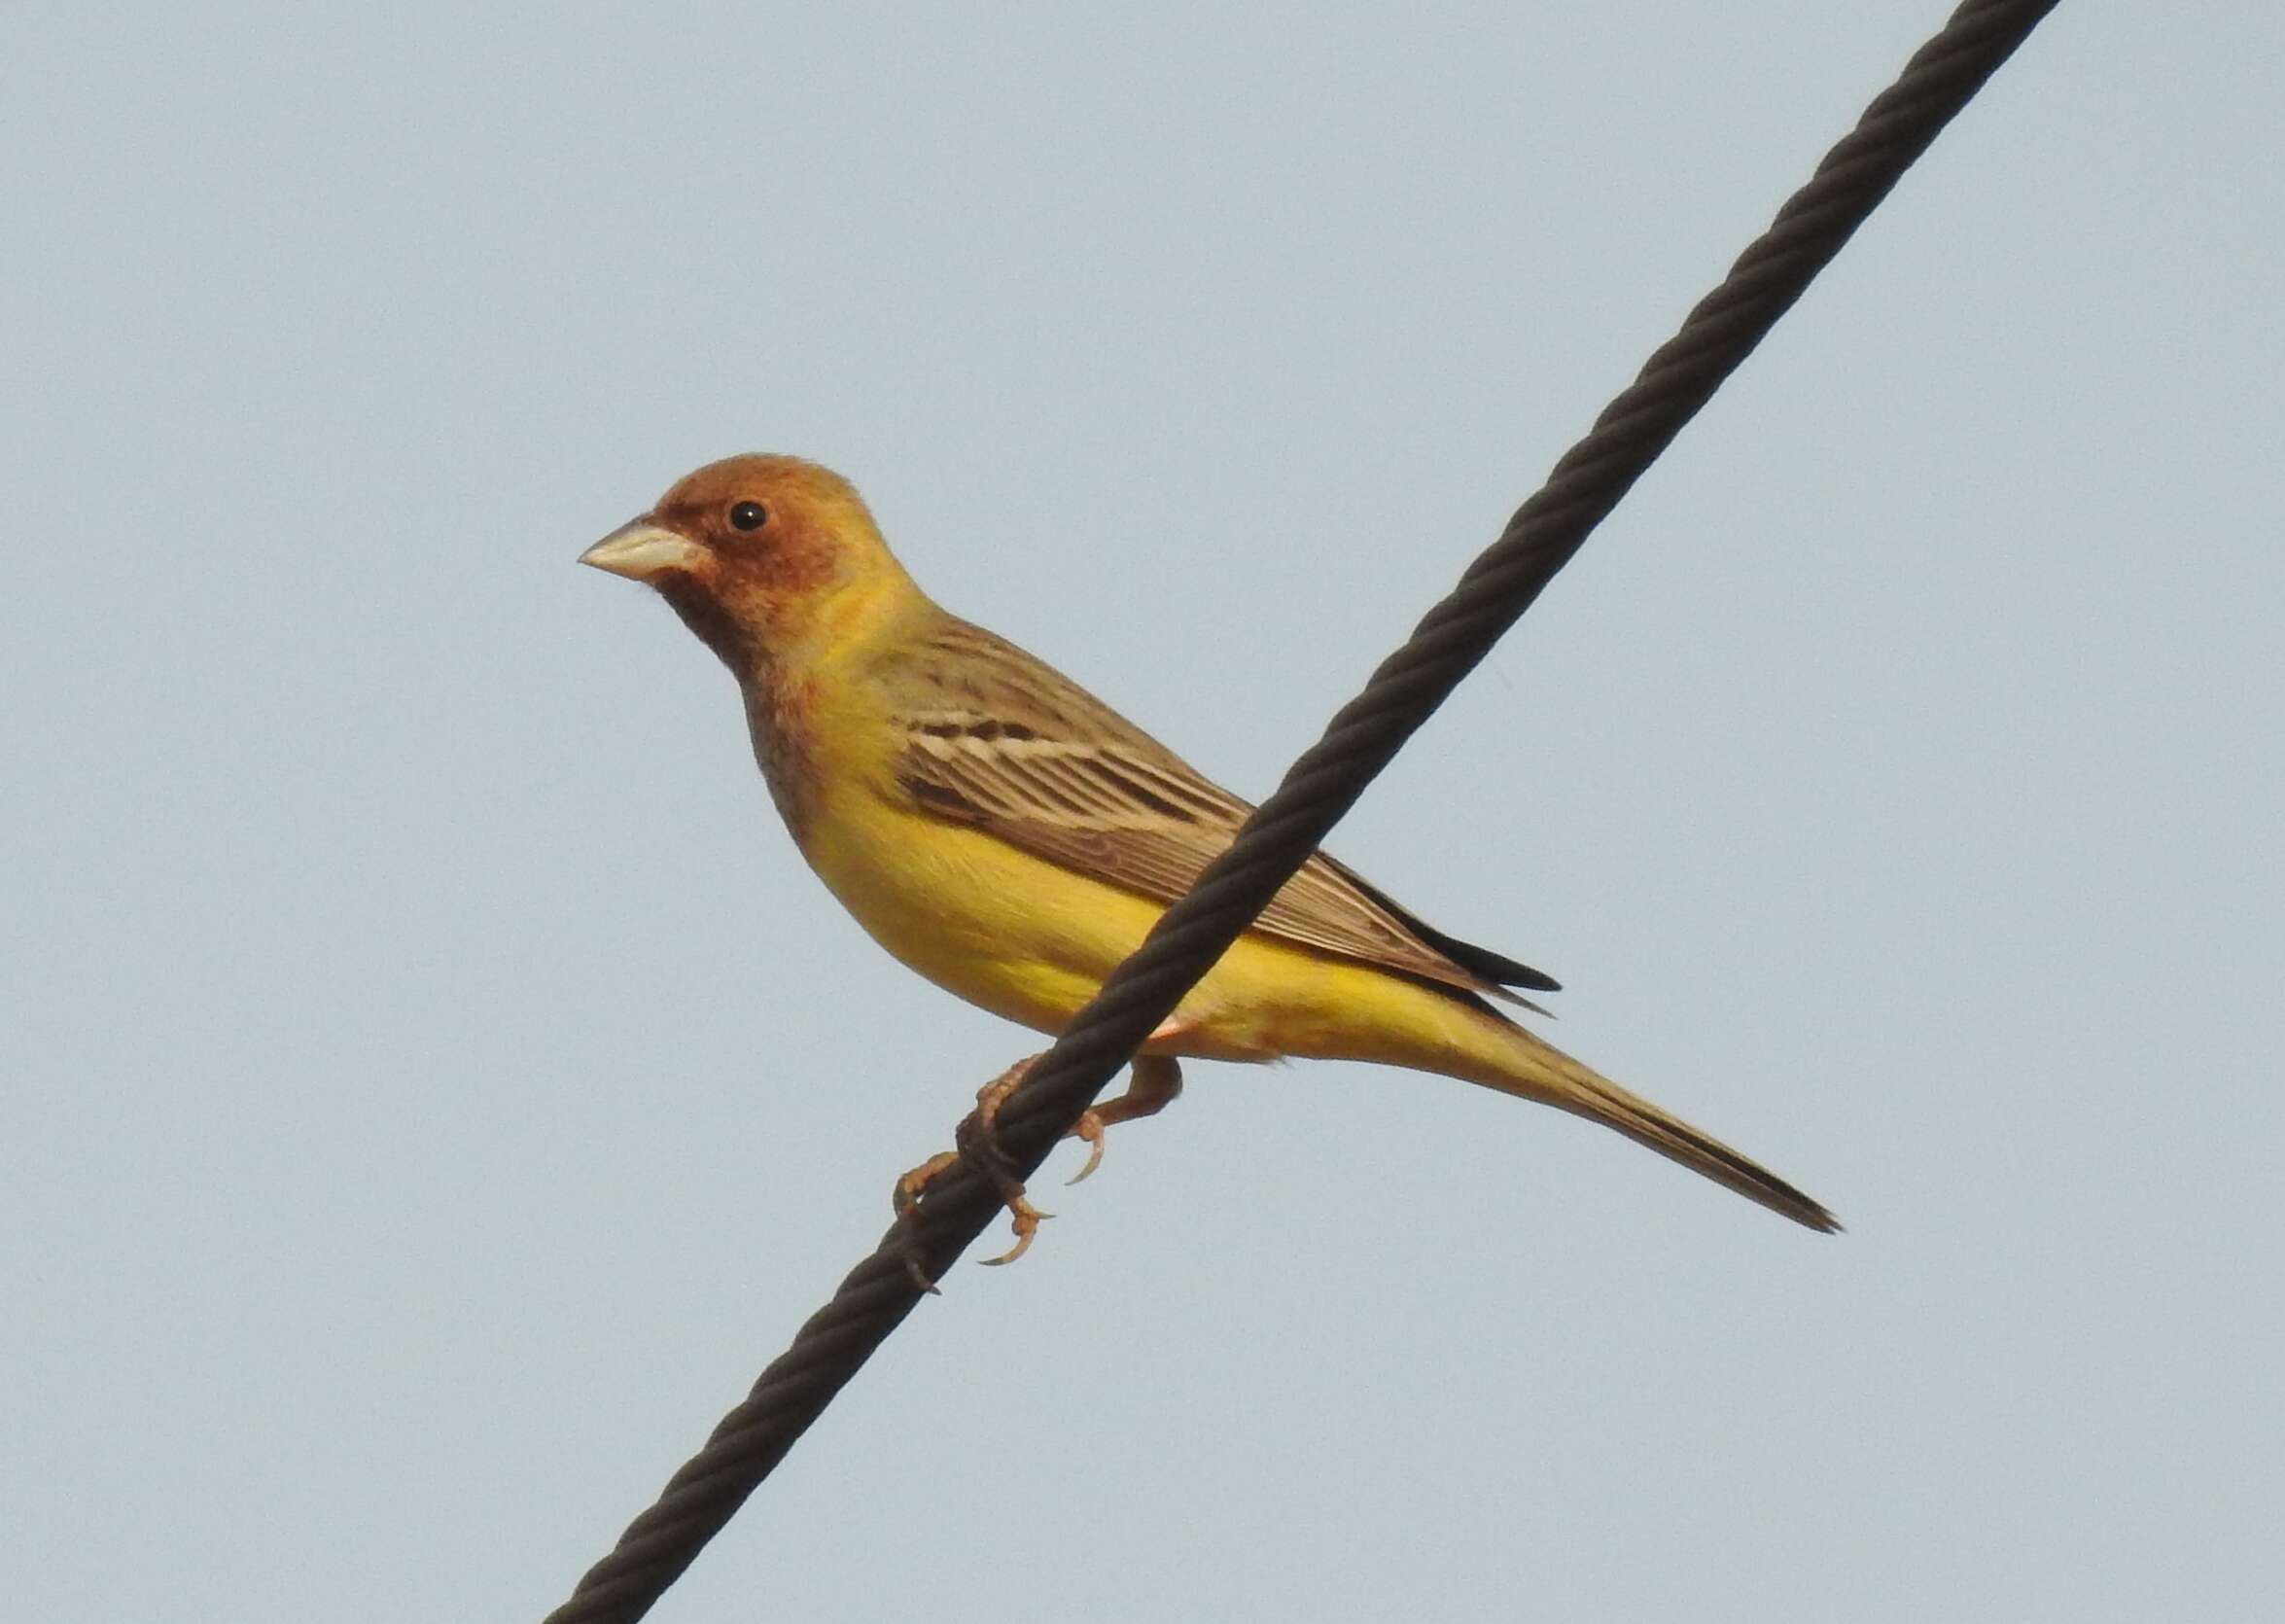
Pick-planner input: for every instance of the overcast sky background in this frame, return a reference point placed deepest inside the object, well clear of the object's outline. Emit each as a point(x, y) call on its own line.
point(434, 1087)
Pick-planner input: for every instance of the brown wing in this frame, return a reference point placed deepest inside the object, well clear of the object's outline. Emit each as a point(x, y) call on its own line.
point(995, 739)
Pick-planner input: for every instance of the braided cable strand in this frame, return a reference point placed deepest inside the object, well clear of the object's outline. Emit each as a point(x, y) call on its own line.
point(1450, 640)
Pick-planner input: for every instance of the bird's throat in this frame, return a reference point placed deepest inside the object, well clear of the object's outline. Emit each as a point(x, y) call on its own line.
point(778, 716)
point(712, 624)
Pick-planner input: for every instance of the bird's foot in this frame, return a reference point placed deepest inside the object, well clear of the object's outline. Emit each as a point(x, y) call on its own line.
point(1155, 1082)
point(979, 1148)
point(978, 1140)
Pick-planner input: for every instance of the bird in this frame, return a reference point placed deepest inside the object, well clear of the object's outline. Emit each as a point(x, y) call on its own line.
point(1011, 838)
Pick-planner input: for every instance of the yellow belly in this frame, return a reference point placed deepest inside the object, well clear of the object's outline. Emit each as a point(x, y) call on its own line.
point(1032, 942)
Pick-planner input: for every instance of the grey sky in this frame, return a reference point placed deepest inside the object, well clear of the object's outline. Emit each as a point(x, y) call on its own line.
point(431, 1085)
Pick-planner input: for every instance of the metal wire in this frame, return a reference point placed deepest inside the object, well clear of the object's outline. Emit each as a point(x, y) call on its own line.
point(1321, 786)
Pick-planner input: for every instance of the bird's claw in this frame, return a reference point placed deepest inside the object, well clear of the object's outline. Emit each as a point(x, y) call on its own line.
point(1024, 1220)
point(979, 1148)
point(1088, 1127)
point(906, 1199)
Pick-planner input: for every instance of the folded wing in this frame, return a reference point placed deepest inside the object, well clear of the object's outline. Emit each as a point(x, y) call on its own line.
point(996, 740)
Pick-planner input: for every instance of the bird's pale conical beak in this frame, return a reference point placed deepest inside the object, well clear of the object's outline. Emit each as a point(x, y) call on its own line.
point(642, 550)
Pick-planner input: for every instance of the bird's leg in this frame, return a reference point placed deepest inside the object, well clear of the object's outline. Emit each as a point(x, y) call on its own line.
point(980, 1150)
point(1151, 1086)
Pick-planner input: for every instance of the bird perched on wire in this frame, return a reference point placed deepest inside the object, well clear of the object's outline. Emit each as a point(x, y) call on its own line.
point(1009, 836)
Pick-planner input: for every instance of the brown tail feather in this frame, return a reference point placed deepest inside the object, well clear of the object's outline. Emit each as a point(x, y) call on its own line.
point(1539, 1071)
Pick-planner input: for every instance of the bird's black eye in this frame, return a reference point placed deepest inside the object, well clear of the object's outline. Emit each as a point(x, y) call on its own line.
point(747, 515)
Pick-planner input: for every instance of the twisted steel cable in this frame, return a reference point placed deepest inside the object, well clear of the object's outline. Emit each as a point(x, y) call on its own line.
point(1321, 786)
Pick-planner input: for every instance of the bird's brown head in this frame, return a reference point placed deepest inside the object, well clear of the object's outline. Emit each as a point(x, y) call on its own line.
point(763, 556)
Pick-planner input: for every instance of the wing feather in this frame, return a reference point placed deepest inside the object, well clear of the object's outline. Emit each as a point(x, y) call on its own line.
point(995, 739)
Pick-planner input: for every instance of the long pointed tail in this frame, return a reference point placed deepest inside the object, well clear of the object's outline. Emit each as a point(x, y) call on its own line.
point(1536, 1069)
